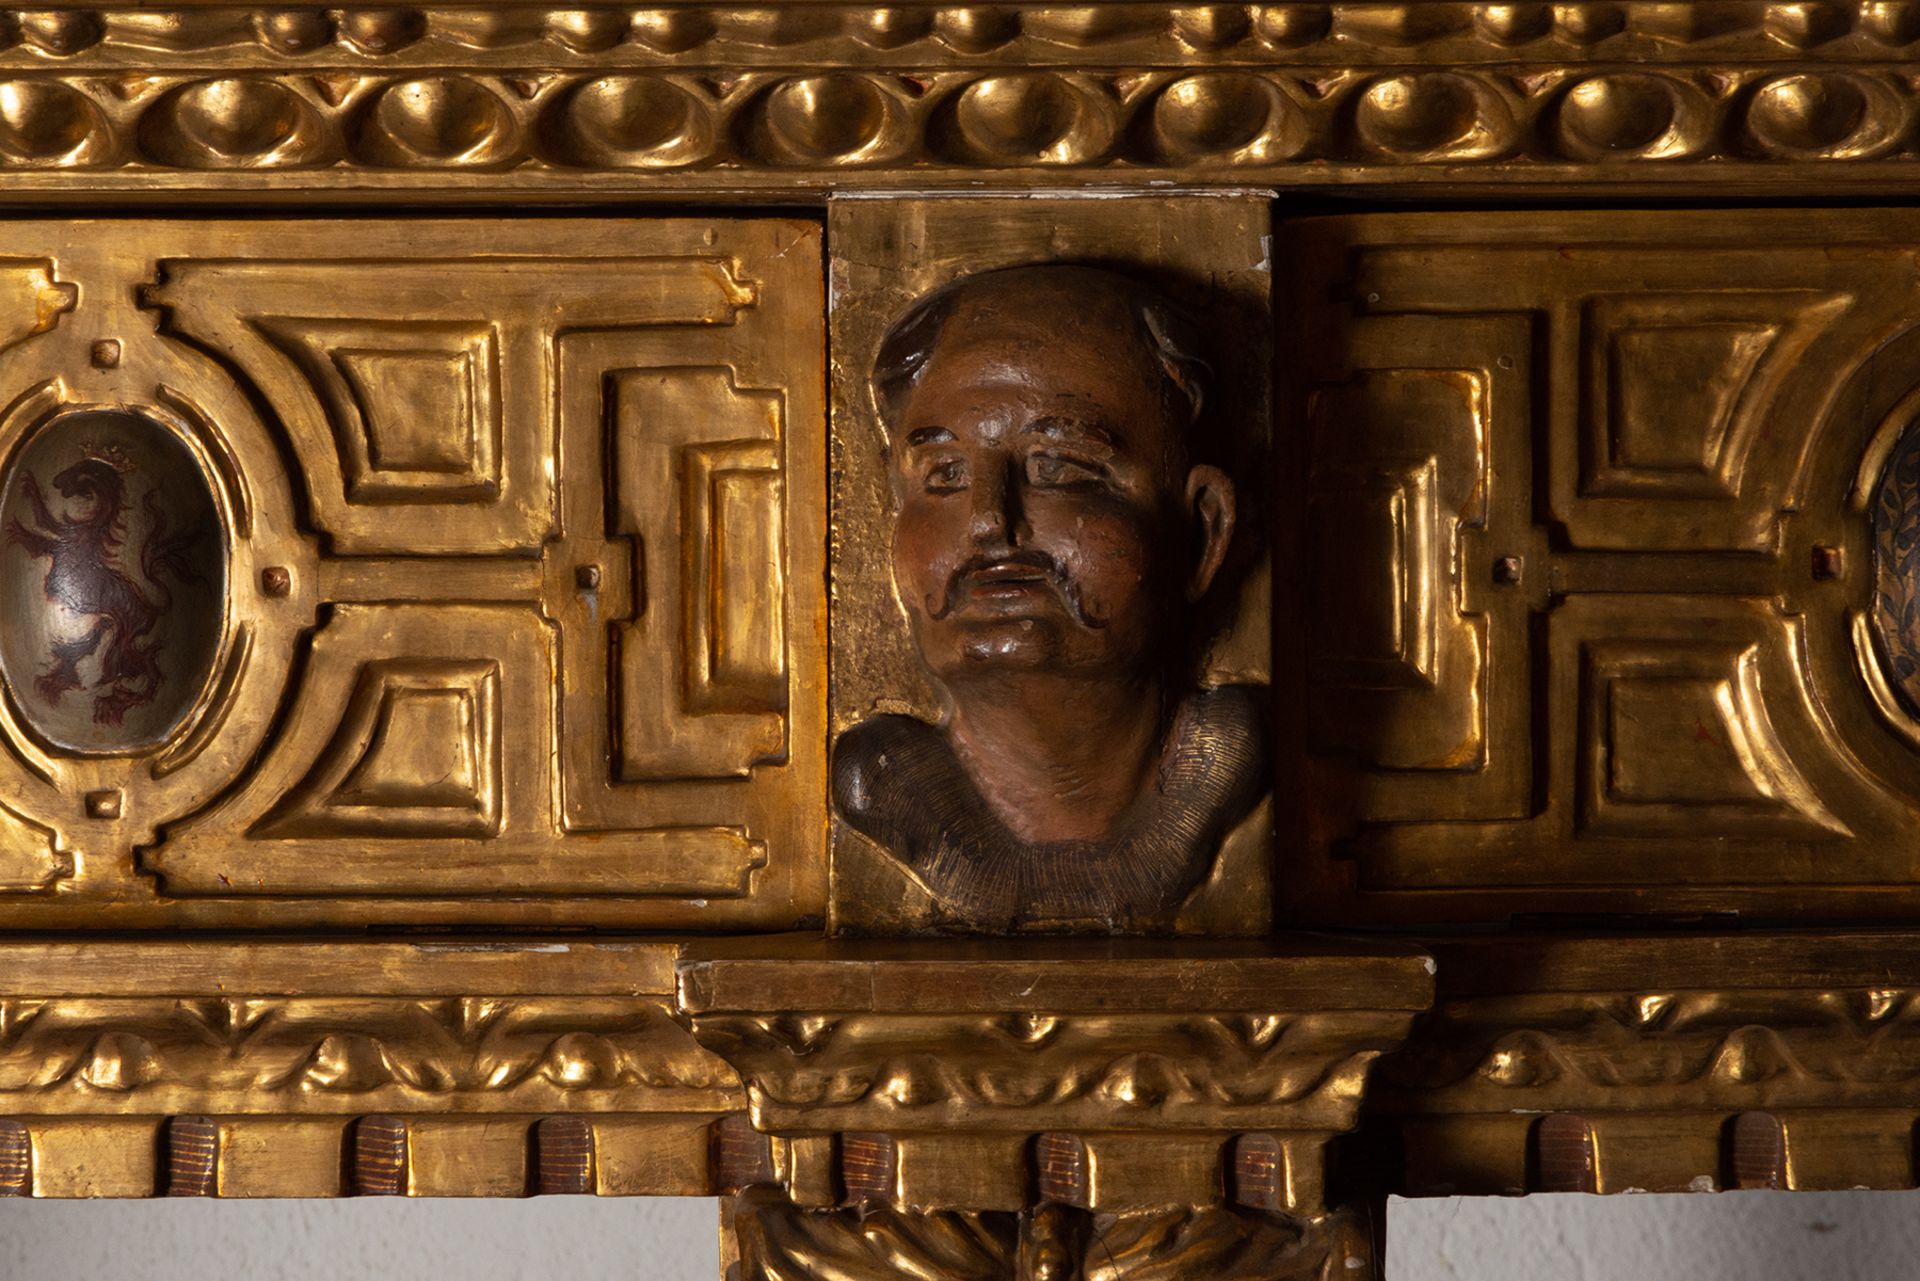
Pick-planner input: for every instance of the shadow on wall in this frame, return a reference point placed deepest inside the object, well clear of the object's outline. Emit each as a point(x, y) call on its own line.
point(582, 1238)
point(1755, 1236)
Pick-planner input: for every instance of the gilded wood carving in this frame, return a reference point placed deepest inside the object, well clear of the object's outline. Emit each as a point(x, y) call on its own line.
point(508, 566)
point(536, 100)
point(1679, 1063)
point(777, 1242)
point(1604, 492)
point(1031, 526)
point(421, 1068)
point(1053, 510)
point(1193, 848)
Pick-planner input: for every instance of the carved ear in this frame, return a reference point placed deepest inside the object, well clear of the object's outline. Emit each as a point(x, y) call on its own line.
point(1210, 502)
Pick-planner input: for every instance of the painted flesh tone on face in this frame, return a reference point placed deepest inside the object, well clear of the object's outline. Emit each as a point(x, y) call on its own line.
point(1049, 530)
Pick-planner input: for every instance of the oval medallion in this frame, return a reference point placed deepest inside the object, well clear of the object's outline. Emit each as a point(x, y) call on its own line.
point(112, 581)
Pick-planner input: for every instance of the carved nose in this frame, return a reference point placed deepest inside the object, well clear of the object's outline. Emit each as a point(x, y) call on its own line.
point(996, 517)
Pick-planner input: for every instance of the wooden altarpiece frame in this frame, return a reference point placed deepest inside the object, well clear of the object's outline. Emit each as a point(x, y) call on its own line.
point(468, 719)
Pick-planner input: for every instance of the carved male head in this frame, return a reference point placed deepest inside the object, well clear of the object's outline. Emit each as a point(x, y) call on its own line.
point(1053, 511)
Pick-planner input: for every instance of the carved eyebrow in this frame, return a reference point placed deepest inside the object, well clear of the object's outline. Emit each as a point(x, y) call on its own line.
point(1057, 426)
point(927, 436)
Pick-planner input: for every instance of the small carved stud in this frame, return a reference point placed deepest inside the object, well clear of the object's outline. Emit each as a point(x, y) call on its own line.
point(740, 1156)
point(103, 804)
point(1755, 1151)
point(1562, 1157)
point(191, 1145)
point(377, 1156)
point(1828, 562)
point(1507, 570)
point(586, 577)
point(16, 1159)
point(1062, 1171)
point(563, 1156)
point(1256, 1173)
point(867, 1167)
point(106, 354)
point(275, 580)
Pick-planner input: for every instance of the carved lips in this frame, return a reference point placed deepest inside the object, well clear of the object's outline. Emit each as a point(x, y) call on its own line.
point(1004, 580)
point(112, 577)
point(1003, 585)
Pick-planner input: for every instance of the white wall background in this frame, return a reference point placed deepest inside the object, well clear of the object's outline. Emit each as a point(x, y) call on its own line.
point(371, 1239)
point(1754, 1236)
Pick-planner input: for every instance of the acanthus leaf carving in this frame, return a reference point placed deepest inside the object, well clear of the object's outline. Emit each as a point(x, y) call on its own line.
point(1703, 1049)
point(879, 1071)
point(315, 1054)
point(780, 1241)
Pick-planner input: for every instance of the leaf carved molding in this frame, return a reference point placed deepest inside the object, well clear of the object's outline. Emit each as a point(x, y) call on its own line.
point(308, 1054)
point(1657, 1060)
point(1249, 1071)
point(1781, 1048)
point(1043, 1037)
point(694, 1069)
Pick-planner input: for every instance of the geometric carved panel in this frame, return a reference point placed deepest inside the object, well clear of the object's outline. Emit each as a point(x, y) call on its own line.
point(1679, 747)
point(1375, 532)
point(32, 303)
point(1678, 391)
point(735, 503)
point(1696, 638)
point(1391, 639)
point(418, 394)
point(517, 623)
point(1661, 416)
point(396, 746)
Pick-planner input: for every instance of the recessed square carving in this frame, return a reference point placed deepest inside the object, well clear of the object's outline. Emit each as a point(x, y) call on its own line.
point(1403, 430)
point(1678, 386)
point(1677, 740)
point(417, 754)
point(430, 414)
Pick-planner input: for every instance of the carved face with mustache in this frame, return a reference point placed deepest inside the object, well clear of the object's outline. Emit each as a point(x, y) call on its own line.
point(1048, 516)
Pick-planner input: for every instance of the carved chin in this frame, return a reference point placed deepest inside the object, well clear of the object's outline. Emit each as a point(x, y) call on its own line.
point(1022, 642)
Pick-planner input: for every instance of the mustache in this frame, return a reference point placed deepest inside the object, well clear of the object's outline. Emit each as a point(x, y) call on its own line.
point(1056, 575)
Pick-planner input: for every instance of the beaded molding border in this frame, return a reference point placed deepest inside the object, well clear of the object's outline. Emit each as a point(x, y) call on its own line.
point(832, 97)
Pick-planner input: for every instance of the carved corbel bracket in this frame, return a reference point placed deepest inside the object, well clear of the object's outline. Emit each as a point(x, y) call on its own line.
point(999, 1099)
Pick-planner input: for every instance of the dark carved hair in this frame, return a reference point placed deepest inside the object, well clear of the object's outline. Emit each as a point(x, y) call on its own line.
point(1164, 330)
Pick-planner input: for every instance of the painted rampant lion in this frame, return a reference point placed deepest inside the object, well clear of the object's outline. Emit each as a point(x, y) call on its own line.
point(86, 576)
